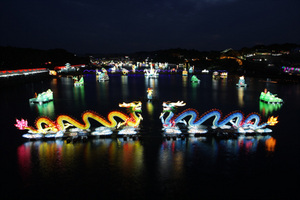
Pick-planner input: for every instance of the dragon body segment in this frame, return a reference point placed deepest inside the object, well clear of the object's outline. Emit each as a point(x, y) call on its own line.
point(235, 119)
point(45, 125)
point(110, 123)
point(215, 114)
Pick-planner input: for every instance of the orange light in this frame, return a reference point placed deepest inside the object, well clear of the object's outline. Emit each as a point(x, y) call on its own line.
point(270, 144)
point(272, 121)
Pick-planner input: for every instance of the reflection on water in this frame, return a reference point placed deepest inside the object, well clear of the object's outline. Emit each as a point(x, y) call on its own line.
point(224, 83)
point(152, 83)
point(184, 89)
point(24, 161)
point(219, 92)
point(103, 161)
point(184, 81)
point(51, 156)
point(241, 96)
point(79, 95)
point(267, 109)
point(102, 90)
point(214, 84)
point(54, 87)
point(176, 154)
point(214, 91)
point(270, 144)
point(173, 151)
point(251, 143)
point(195, 87)
point(124, 80)
point(150, 109)
point(66, 90)
point(45, 109)
point(171, 158)
point(128, 155)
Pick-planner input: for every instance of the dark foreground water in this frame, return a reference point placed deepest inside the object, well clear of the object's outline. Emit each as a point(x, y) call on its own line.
point(258, 167)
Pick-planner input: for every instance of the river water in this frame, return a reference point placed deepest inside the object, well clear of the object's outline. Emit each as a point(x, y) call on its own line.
point(254, 167)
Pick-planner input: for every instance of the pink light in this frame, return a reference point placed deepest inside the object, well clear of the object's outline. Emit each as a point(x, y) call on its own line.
point(21, 124)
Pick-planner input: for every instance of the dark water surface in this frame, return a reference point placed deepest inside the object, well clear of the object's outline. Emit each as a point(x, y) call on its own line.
point(259, 167)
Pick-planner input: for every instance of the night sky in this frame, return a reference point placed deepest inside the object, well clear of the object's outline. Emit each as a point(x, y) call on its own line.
point(126, 26)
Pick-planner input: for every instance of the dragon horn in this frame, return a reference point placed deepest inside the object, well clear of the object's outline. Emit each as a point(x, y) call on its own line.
point(178, 103)
point(124, 104)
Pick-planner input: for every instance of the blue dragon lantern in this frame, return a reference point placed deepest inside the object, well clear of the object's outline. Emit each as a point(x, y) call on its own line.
point(235, 121)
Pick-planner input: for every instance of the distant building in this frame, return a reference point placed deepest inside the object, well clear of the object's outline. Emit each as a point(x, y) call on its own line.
point(266, 57)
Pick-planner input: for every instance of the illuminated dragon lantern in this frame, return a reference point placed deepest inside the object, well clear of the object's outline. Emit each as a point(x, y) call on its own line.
point(235, 120)
point(45, 125)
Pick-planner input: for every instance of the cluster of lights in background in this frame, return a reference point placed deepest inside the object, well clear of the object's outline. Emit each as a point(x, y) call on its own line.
point(291, 69)
point(20, 72)
point(239, 61)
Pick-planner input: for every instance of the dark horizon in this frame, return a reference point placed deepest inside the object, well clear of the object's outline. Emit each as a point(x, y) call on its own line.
point(274, 46)
point(83, 27)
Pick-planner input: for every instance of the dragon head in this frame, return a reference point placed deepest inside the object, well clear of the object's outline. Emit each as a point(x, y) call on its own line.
point(170, 106)
point(135, 106)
